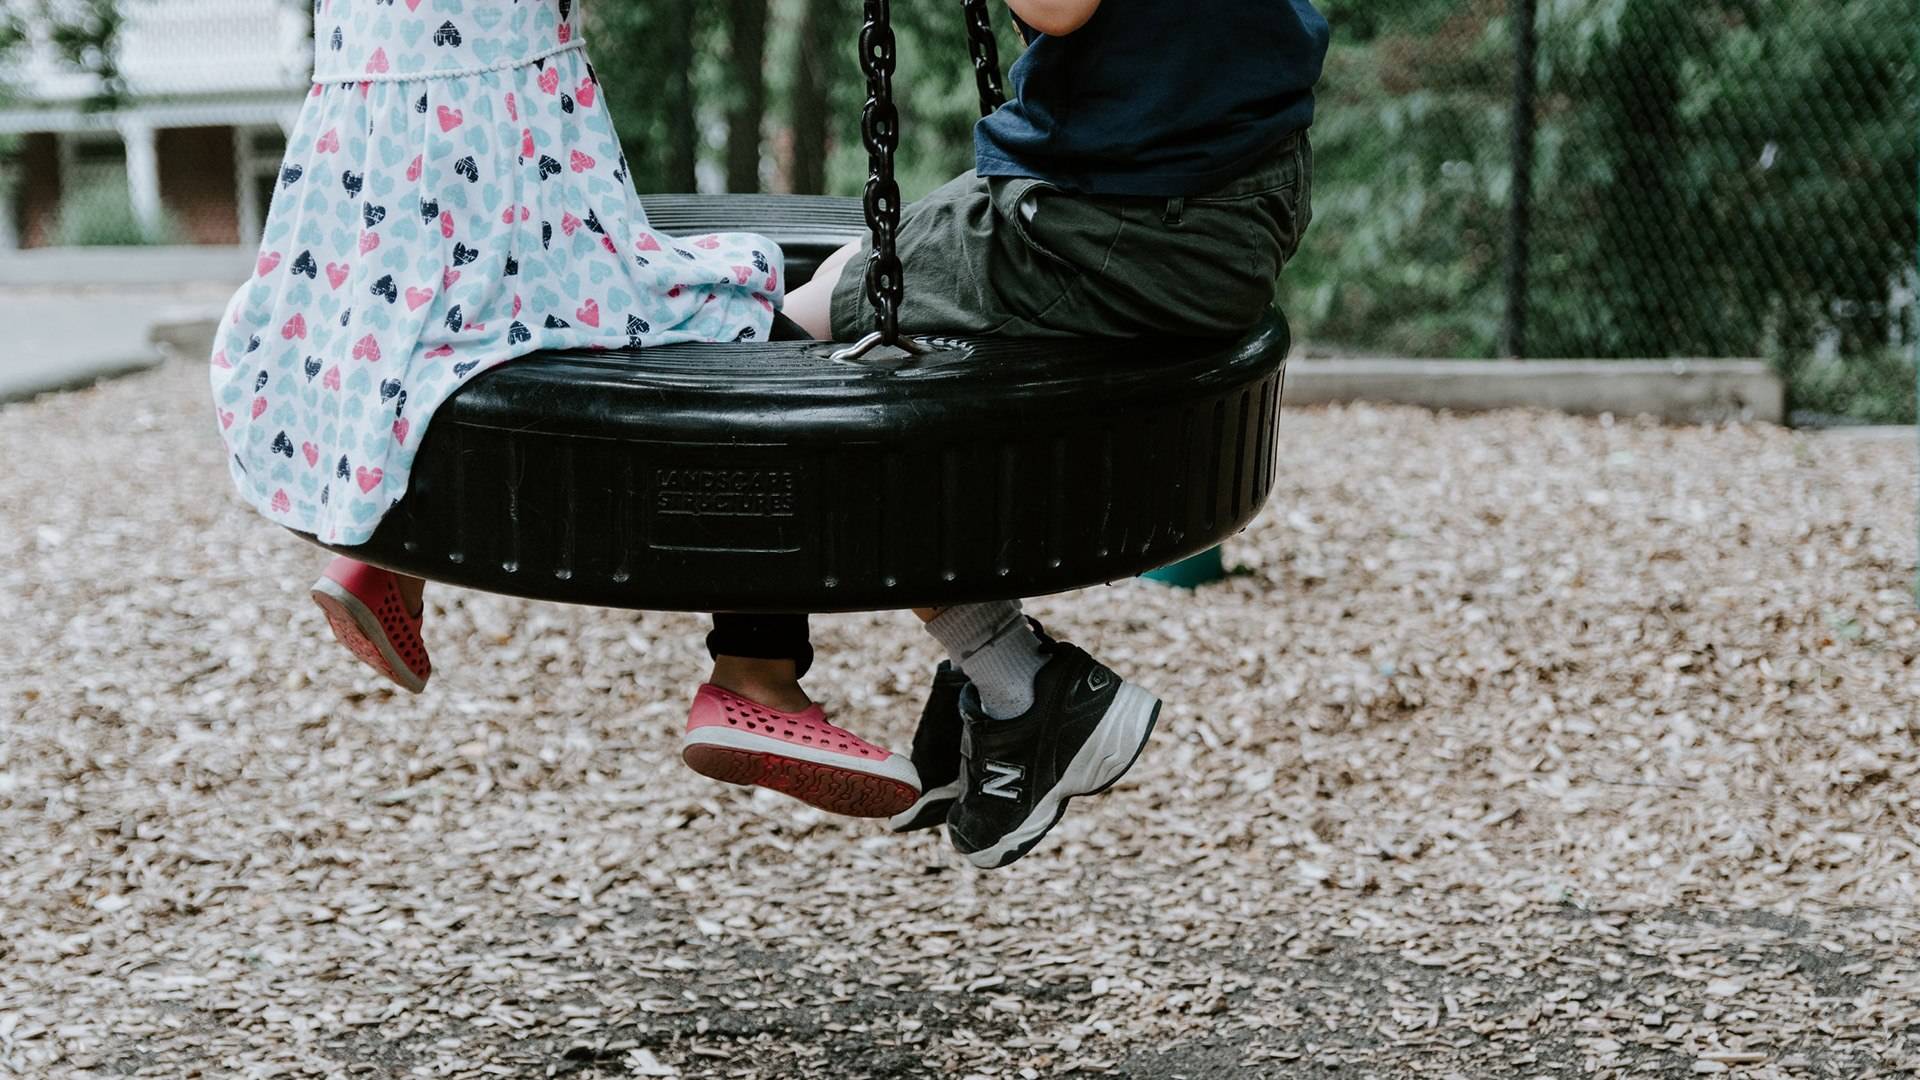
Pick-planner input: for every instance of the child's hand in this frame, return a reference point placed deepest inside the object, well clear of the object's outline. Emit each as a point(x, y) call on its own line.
point(1054, 17)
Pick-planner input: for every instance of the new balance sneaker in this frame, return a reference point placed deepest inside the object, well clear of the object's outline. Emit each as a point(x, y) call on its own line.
point(363, 605)
point(1083, 733)
point(936, 754)
point(739, 741)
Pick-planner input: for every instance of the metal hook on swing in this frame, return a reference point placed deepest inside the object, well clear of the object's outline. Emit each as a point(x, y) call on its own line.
point(874, 340)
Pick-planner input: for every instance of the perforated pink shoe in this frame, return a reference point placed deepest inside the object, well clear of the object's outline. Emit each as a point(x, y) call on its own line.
point(368, 616)
point(738, 741)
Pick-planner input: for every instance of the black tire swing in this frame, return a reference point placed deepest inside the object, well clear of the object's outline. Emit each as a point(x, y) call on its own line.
point(801, 476)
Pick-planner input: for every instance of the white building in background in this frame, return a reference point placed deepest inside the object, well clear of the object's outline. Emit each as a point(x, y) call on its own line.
point(212, 88)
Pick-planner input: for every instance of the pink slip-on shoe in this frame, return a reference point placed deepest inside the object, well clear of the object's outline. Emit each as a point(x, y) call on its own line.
point(363, 605)
point(738, 741)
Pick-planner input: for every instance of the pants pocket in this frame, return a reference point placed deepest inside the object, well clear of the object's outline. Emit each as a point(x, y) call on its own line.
point(1303, 197)
point(1074, 232)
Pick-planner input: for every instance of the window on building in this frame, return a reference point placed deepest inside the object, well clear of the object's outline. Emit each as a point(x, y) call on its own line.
point(96, 202)
point(258, 155)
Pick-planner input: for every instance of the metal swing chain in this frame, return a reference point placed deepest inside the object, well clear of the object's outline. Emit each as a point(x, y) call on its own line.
point(986, 56)
point(880, 128)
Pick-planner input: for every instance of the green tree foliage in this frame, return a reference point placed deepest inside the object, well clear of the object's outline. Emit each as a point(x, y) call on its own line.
point(83, 33)
point(747, 90)
point(674, 74)
point(86, 34)
point(811, 79)
point(1411, 179)
point(645, 53)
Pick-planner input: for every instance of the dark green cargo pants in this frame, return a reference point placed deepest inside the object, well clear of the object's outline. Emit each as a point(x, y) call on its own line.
point(1024, 258)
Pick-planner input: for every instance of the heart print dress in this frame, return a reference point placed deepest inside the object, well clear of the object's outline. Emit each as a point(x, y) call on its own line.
point(453, 197)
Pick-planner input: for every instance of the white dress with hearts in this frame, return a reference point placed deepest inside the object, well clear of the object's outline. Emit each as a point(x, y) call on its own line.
point(453, 197)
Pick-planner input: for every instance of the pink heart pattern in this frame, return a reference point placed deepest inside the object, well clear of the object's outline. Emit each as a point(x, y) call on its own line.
point(326, 383)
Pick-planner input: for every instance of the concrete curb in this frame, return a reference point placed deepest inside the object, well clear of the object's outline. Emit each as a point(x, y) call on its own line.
point(1868, 433)
point(193, 337)
point(24, 386)
point(1678, 391)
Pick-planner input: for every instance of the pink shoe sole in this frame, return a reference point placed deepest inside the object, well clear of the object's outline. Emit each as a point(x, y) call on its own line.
point(837, 791)
point(359, 629)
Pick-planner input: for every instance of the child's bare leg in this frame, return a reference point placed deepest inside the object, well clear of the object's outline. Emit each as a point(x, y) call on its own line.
point(762, 658)
point(811, 305)
point(773, 683)
point(412, 592)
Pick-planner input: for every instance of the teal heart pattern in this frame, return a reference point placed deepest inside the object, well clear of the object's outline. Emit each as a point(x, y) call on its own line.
point(453, 197)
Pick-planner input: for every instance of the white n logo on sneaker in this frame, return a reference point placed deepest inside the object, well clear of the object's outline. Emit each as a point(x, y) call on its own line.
point(1002, 779)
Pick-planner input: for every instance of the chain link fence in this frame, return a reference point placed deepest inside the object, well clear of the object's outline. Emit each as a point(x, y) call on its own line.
point(1708, 179)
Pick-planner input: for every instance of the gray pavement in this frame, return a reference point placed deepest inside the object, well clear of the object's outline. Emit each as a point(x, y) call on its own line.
point(73, 318)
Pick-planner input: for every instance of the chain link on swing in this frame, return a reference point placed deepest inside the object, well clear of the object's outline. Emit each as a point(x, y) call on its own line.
point(880, 129)
point(986, 56)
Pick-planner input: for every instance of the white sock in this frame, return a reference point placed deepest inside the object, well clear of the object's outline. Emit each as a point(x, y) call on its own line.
point(997, 651)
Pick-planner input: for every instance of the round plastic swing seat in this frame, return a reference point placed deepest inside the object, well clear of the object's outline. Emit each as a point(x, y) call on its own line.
point(771, 477)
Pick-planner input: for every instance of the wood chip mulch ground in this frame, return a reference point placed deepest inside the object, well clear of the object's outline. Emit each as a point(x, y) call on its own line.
point(1520, 746)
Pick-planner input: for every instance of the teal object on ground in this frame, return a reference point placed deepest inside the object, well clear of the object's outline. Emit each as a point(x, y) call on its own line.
point(1191, 573)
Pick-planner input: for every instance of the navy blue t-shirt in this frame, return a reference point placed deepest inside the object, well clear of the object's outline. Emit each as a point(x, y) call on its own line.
point(1158, 97)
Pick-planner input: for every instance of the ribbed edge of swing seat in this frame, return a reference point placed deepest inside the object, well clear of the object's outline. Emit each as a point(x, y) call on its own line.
point(786, 215)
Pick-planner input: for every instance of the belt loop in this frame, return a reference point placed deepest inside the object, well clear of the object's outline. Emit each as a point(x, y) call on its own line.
point(1176, 206)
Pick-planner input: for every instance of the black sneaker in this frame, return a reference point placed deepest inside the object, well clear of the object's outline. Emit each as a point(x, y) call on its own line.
point(936, 754)
point(1084, 731)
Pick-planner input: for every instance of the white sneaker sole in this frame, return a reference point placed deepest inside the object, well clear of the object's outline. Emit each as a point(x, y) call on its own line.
point(908, 820)
point(892, 767)
point(836, 783)
point(1115, 745)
